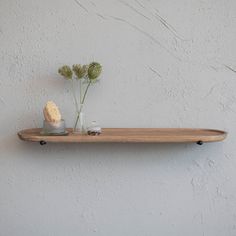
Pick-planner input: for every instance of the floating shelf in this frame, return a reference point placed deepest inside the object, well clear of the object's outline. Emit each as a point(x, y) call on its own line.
point(130, 135)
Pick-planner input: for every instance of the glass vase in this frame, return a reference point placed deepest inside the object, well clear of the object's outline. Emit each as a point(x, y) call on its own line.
point(80, 124)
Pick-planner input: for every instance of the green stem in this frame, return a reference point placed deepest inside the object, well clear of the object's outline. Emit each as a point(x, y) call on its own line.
point(85, 92)
point(81, 105)
point(81, 90)
point(74, 95)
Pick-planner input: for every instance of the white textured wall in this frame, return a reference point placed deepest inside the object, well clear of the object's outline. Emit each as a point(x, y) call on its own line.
point(166, 64)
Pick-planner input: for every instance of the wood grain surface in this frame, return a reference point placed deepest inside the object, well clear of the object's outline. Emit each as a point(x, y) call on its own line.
point(130, 135)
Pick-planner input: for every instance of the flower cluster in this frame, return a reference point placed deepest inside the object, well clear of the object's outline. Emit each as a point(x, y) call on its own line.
point(90, 72)
point(66, 72)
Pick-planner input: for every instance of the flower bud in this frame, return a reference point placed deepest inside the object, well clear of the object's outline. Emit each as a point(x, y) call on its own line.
point(65, 71)
point(80, 71)
point(94, 70)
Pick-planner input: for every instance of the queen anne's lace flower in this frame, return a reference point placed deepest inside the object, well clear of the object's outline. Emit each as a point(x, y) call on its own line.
point(86, 74)
point(80, 71)
point(94, 70)
point(66, 72)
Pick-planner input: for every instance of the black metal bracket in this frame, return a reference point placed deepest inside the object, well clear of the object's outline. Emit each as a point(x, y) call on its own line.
point(200, 142)
point(42, 142)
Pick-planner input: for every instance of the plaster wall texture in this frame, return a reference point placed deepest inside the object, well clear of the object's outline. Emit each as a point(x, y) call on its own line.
point(166, 64)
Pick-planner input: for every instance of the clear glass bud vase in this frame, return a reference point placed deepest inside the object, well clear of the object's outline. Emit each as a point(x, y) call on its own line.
point(80, 124)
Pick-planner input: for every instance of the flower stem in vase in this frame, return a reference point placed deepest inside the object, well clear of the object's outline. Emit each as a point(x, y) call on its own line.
point(80, 114)
point(79, 122)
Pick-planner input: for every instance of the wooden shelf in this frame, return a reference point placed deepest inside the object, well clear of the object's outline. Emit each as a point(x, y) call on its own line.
point(130, 135)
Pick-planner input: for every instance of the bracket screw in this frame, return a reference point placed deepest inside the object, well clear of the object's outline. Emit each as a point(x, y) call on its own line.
point(199, 142)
